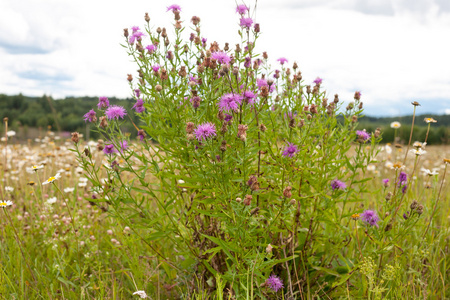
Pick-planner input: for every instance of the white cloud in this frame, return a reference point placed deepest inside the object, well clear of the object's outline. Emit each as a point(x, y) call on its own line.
point(392, 58)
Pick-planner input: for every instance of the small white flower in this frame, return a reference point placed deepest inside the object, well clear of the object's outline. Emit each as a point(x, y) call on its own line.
point(51, 179)
point(51, 200)
point(396, 125)
point(69, 190)
point(11, 133)
point(35, 167)
point(428, 172)
point(371, 167)
point(418, 152)
point(9, 188)
point(82, 184)
point(388, 149)
point(141, 294)
point(389, 165)
point(4, 203)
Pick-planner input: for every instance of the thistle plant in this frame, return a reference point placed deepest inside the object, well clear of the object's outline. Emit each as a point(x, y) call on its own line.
point(248, 174)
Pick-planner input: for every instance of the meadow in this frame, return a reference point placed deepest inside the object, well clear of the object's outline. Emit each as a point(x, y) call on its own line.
point(243, 182)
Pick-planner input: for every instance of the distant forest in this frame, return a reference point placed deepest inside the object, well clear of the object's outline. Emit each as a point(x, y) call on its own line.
point(27, 114)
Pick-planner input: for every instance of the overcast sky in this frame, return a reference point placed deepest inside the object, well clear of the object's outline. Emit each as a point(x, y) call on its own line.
point(393, 51)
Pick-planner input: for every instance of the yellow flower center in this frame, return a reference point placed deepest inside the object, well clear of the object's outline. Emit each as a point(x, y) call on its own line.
point(51, 179)
point(2, 203)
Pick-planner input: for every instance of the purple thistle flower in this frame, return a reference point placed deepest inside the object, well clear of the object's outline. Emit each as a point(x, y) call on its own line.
point(248, 62)
point(290, 115)
point(137, 92)
point(402, 179)
point(135, 29)
point(228, 118)
point(262, 82)
point(141, 135)
point(204, 41)
point(174, 7)
point(337, 184)
point(195, 101)
point(205, 131)
point(290, 150)
point(151, 49)
point(103, 102)
point(136, 36)
point(370, 217)
point(246, 23)
point(229, 102)
point(282, 60)
point(156, 68)
point(386, 182)
point(123, 146)
point(363, 135)
point(109, 149)
point(221, 57)
point(241, 9)
point(274, 282)
point(404, 188)
point(192, 37)
point(318, 80)
point(91, 116)
point(249, 97)
point(115, 112)
point(194, 79)
point(139, 106)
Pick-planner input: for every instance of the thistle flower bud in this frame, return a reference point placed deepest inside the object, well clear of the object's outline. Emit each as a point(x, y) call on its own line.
point(182, 71)
point(238, 200)
point(185, 48)
point(309, 117)
point(262, 127)
point(419, 209)
point(388, 196)
point(252, 180)
point(164, 32)
point(325, 102)
point(129, 77)
point(360, 106)
point(354, 119)
point(377, 133)
point(125, 32)
point(227, 47)
point(336, 98)
point(254, 211)
point(190, 136)
point(166, 43)
point(313, 109)
point(147, 18)
point(257, 28)
point(295, 66)
point(414, 205)
point(235, 71)
point(388, 227)
point(287, 192)
point(75, 137)
point(103, 122)
point(293, 202)
point(223, 146)
point(190, 127)
point(195, 20)
point(308, 89)
point(264, 91)
point(248, 199)
point(158, 88)
point(200, 68)
point(301, 123)
point(176, 15)
point(158, 30)
point(238, 48)
point(415, 103)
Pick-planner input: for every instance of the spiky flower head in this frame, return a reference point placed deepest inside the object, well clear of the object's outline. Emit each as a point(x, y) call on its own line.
point(338, 185)
point(242, 9)
point(370, 217)
point(229, 102)
point(174, 8)
point(205, 131)
point(246, 23)
point(115, 112)
point(290, 150)
point(90, 116)
point(221, 57)
point(282, 60)
point(362, 135)
point(274, 282)
point(103, 102)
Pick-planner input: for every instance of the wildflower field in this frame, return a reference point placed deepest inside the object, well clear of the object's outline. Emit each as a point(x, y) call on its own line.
point(244, 182)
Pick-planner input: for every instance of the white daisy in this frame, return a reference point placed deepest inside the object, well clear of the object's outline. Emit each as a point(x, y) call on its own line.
point(4, 203)
point(51, 200)
point(9, 188)
point(51, 179)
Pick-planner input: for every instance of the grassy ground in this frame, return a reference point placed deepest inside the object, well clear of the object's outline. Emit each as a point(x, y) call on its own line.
point(56, 244)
